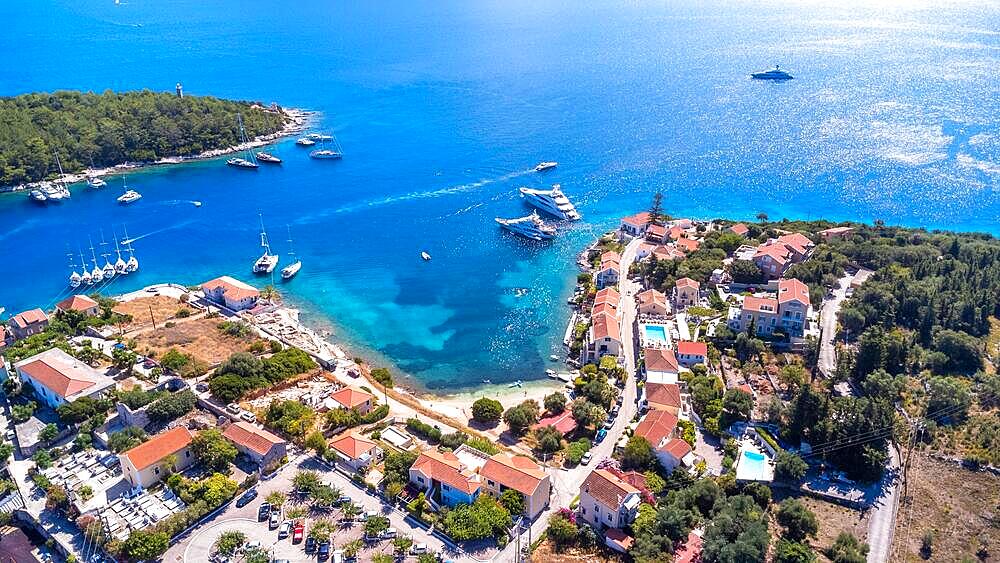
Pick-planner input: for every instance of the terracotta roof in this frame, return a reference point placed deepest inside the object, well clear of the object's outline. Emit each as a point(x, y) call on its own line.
point(657, 359)
point(515, 472)
point(619, 538)
point(611, 255)
point(798, 241)
point(350, 397)
point(639, 219)
point(76, 303)
point(692, 348)
point(608, 295)
point(656, 230)
point(652, 296)
point(603, 308)
point(159, 447)
point(446, 468)
point(745, 387)
point(352, 445)
point(677, 448)
point(607, 488)
point(63, 374)
point(760, 304)
point(792, 290)
point(606, 326)
point(687, 282)
point(656, 427)
point(232, 288)
point(667, 253)
point(688, 244)
point(663, 394)
point(675, 233)
point(836, 231)
point(683, 223)
point(251, 437)
point(690, 551)
point(563, 422)
point(636, 479)
point(740, 229)
point(777, 252)
point(28, 318)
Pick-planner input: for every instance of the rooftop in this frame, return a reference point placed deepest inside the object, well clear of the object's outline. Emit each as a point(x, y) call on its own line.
point(231, 287)
point(760, 304)
point(514, 471)
point(350, 398)
point(605, 326)
point(687, 283)
point(692, 348)
point(159, 447)
point(563, 422)
point(252, 437)
point(63, 374)
point(607, 488)
point(27, 318)
point(446, 468)
point(663, 394)
point(76, 303)
point(639, 219)
point(657, 359)
point(352, 445)
point(656, 427)
point(792, 290)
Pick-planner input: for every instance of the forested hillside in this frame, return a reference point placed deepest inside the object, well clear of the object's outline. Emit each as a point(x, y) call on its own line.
point(113, 128)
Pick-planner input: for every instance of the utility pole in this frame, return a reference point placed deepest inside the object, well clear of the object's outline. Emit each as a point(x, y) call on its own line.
point(152, 319)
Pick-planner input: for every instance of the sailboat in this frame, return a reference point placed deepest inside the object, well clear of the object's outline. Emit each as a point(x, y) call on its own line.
point(130, 195)
point(267, 261)
point(289, 271)
point(132, 264)
point(94, 181)
point(96, 274)
point(120, 265)
point(74, 278)
point(248, 163)
point(325, 153)
point(60, 188)
point(108, 269)
point(85, 276)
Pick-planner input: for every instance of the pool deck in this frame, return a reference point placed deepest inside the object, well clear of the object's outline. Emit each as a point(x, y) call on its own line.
point(762, 471)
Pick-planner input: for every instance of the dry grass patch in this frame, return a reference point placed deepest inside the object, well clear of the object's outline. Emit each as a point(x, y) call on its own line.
point(200, 338)
point(546, 552)
point(163, 309)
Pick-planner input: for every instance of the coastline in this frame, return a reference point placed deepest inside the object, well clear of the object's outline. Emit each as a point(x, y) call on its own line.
point(298, 120)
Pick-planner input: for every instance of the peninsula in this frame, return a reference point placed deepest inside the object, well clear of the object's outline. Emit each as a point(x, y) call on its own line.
point(97, 131)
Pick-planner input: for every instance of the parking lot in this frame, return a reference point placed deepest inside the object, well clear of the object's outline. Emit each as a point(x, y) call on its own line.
point(198, 545)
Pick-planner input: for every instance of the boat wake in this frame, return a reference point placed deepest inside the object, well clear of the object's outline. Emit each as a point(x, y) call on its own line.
point(156, 232)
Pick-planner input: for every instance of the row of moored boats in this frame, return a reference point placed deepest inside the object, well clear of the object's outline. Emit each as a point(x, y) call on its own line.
point(552, 203)
point(82, 276)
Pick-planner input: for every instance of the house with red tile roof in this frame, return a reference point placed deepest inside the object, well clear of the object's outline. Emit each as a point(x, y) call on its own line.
point(662, 396)
point(661, 252)
point(145, 464)
point(793, 305)
point(762, 312)
point(503, 472)
point(444, 478)
point(634, 225)
point(261, 446)
point(354, 450)
point(798, 244)
point(686, 293)
point(618, 540)
point(740, 229)
point(659, 428)
point(773, 259)
point(660, 364)
point(28, 323)
point(609, 270)
point(608, 296)
point(350, 398)
point(563, 422)
point(231, 293)
point(687, 245)
point(80, 303)
point(652, 303)
point(690, 550)
point(835, 233)
point(691, 353)
point(608, 501)
point(656, 233)
point(58, 378)
point(603, 337)
point(788, 312)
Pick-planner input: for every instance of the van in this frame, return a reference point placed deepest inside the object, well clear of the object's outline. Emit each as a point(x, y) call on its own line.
point(389, 534)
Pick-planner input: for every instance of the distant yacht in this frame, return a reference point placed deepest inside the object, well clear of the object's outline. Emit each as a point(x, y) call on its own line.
point(288, 272)
point(74, 277)
point(130, 195)
point(305, 142)
point(38, 196)
point(267, 261)
point(96, 274)
point(529, 226)
point(247, 163)
point(108, 269)
point(325, 153)
point(771, 74)
point(95, 183)
point(554, 202)
point(543, 166)
point(84, 274)
point(121, 267)
point(60, 190)
point(425, 256)
point(132, 264)
point(268, 158)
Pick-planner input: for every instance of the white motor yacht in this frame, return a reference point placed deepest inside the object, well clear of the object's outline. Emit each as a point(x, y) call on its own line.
point(529, 226)
point(305, 142)
point(554, 202)
point(129, 197)
point(543, 166)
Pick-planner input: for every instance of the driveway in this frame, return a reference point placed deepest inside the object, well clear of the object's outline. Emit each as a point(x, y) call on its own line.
point(827, 362)
point(883, 518)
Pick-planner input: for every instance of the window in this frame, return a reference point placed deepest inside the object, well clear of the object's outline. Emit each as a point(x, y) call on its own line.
point(490, 482)
point(187, 454)
point(156, 470)
point(420, 480)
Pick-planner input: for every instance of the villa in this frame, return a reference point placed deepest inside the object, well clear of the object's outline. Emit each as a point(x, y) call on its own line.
point(652, 303)
point(604, 337)
point(656, 233)
point(789, 311)
point(793, 305)
point(686, 293)
point(59, 378)
point(772, 259)
point(231, 293)
point(691, 353)
point(608, 501)
point(563, 422)
point(142, 466)
point(607, 300)
point(634, 225)
point(23, 325)
point(761, 312)
point(350, 398)
point(443, 476)
point(740, 229)
point(262, 447)
point(355, 450)
point(608, 271)
point(835, 233)
point(687, 245)
point(504, 472)
point(798, 244)
point(661, 365)
point(659, 428)
point(662, 396)
point(79, 303)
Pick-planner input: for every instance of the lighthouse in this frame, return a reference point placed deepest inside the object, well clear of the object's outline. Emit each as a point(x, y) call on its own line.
point(180, 90)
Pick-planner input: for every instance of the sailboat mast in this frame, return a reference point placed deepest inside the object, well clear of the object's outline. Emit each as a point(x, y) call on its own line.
point(291, 249)
point(263, 236)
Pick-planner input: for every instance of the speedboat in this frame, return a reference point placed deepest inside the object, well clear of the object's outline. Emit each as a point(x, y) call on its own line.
point(288, 272)
point(529, 226)
point(554, 202)
point(325, 153)
point(319, 137)
point(241, 163)
point(771, 74)
point(425, 256)
point(305, 142)
point(129, 197)
point(543, 166)
point(268, 158)
point(38, 196)
point(95, 182)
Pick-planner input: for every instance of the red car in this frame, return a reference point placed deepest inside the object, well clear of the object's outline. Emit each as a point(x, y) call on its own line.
point(297, 533)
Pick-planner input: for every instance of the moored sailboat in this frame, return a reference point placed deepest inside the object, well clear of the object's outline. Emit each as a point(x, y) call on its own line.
point(289, 271)
point(267, 261)
point(249, 162)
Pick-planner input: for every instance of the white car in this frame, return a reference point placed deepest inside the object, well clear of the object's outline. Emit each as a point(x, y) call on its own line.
point(285, 529)
point(249, 417)
point(389, 534)
point(586, 458)
point(418, 548)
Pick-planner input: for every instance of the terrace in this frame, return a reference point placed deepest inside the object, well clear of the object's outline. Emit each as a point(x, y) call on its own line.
point(128, 513)
point(653, 334)
point(98, 470)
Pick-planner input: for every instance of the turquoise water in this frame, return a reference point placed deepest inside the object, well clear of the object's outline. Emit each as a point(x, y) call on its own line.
point(442, 108)
point(655, 333)
point(753, 466)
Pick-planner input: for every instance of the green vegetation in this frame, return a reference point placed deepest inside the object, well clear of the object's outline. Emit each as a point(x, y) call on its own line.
point(172, 406)
point(423, 429)
point(483, 445)
point(575, 450)
point(243, 372)
point(487, 411)
point(291, 417)
point(483, 518)
point(382, 376)
point(113, 128)
point(397, 466)
point(126, 439)
point(213, 451)
point(522, 416)
point(228, 542)
point(184, 365)
point(144, 546)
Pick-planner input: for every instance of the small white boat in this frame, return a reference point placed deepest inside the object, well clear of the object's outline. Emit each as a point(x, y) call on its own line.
point(425, 256)
point(96, 183)
point(543, 166)
point(196, 203)
point(304, 142)
point(288, 272)
point(242, 163)
point(325, 154)
point(38, 196)
point(268, 158)
point(554, 358)
point(517, 383)
point(487, 381)
point(129, 197)
point(550, 372)
point(248, 162)
point(267, 261)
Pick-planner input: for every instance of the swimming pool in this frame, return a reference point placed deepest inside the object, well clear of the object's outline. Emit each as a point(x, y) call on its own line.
point(656, 333)
point(753, 466)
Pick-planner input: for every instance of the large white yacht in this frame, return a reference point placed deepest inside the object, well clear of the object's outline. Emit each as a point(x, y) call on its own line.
point(267, 261)
point(771, 74)
point(554, 202)
point(529, 226)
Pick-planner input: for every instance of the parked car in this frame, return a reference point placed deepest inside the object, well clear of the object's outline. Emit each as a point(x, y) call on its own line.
point(367, 515)
point(586, 458)
point(338, 556)
point(297, 532)
point(601, 434)
point(201, 387)
point(249, 417)
point(246, 498)
point(275, 521)
point(418, 548)
point(310, 544)
point(233, 408)
point(344, 499)
point(323, 551)
point(251, 545)
point(284, 530)
point(149, 363)
point(389, 534)
point(263, 512)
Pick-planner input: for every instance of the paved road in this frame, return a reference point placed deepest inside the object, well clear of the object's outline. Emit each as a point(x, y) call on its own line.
point(883, 518)
point(566, 483)
point(828, 321)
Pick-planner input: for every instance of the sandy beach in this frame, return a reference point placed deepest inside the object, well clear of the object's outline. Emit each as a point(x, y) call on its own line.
point(459, 405)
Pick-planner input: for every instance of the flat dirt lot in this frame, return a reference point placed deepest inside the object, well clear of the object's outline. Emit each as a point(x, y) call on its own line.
point(546, 553)
point(163, 308)
point(961, 508)
point(200, 338)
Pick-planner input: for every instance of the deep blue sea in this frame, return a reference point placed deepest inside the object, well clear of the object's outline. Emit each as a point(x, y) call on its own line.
point(443, 107)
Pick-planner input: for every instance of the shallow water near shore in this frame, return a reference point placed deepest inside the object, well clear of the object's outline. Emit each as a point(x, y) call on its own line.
point(443, 109)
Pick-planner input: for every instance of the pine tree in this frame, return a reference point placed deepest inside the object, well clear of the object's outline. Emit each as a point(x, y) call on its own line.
point(656, 210)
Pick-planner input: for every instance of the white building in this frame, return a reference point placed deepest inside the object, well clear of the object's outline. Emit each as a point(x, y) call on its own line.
point(59, 378)
point(231, 293)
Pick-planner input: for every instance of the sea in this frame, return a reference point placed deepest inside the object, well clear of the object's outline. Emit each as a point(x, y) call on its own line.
point(443, 108)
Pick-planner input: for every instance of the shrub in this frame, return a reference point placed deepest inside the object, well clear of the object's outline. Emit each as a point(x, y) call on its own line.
point(483, 445)
point(575, 450)
point(487, 411)
point(172, 406)
point(383, 376)
point(423, 429)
